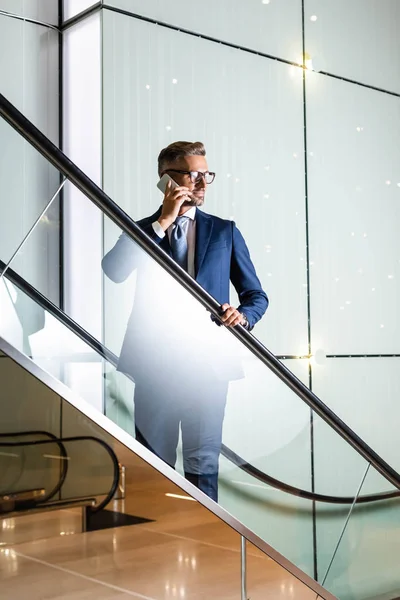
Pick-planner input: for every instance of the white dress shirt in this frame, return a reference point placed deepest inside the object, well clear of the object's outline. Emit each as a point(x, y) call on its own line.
point(189, 227)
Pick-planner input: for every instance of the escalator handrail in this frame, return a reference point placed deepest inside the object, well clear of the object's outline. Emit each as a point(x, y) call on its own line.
point(65, 166)
point(62, 441)
point(53, 440)
point(295, 491)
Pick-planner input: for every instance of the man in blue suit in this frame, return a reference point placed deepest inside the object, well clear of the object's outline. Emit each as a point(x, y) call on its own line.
point(171, 392)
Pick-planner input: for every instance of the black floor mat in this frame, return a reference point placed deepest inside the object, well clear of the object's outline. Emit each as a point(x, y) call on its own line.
point(105, 519)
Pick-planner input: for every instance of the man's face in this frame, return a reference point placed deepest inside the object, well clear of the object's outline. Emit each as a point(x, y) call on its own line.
point(197, 189)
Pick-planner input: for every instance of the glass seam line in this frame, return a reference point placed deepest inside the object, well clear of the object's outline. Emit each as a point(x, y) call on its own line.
point(33, 227)
point(308, 282)
point(88, 12)
point(345, 524)
point(53, 154)
point(238, 47)
point(4, 13)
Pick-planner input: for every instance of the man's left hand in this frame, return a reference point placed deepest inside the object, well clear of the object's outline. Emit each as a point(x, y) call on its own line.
point(231, 316)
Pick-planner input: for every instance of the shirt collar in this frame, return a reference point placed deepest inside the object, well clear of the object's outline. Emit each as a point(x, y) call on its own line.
point(191, 213)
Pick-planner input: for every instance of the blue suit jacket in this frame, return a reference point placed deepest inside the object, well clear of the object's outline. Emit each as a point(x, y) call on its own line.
point(221, 256)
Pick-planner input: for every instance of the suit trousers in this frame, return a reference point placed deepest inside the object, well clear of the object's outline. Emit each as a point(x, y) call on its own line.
point(196, 405)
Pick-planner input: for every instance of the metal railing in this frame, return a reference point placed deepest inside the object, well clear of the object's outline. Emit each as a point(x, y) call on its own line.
point(61, 162)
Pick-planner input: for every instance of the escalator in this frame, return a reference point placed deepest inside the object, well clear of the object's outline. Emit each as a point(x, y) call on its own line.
point(42, 472)
point(294, 476)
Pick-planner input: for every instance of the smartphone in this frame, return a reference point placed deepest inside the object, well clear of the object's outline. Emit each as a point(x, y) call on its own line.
point(162, 184)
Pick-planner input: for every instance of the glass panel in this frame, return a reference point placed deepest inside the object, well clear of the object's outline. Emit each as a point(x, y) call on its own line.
point(29, 67)
point(366, 563)
point(28, 182)
point(354, 190)
point(341, 479)
point(42, 10)
point(263, 25)
point(51, 345)
point(362, 392)
point(247, 110)
point(369, 43)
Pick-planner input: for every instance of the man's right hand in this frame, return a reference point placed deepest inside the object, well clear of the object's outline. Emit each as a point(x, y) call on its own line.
point(173, 200)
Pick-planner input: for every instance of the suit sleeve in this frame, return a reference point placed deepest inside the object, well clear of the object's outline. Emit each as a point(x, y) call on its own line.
point(253, 300)
point(124, 257)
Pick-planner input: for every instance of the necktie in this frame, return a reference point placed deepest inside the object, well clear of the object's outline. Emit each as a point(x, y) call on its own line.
point(179, 244)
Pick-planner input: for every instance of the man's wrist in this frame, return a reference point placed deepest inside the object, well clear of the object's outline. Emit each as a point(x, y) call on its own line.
point(245, 322)
point(164, 223)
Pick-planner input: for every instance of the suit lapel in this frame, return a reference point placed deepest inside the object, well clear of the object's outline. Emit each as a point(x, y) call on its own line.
point(204, 227)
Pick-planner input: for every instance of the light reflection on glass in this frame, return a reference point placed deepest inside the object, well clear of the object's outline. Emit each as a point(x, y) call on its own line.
point(313, 18)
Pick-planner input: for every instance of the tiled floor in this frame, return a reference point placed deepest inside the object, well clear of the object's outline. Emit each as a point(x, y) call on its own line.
point(186, 553)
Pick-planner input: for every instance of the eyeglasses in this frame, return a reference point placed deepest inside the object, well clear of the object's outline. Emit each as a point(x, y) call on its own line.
point(195, 176)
